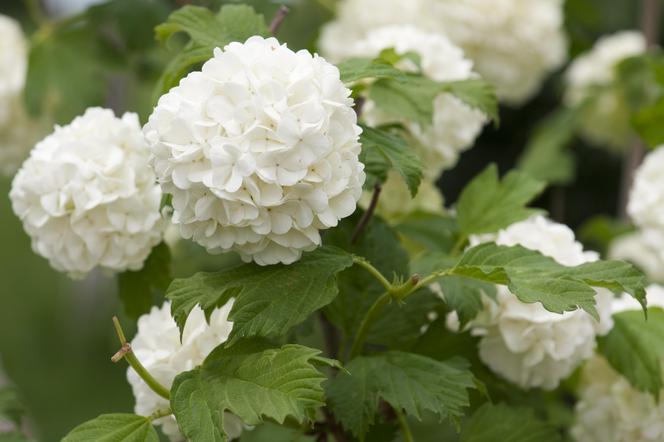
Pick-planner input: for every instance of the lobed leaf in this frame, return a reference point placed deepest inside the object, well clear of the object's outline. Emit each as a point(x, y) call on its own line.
point(355, 69)
point(269, 300)
point(500, 422)
point(253, 381)
point(114, 428)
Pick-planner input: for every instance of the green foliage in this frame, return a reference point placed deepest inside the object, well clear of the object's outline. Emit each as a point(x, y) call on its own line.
point(406, 381)
point(428, 231)
point(252, 380)
point(465, 296)
point(355, 69)
point(114, 428)
point(14, 437)
point(487, 204)
point(533, 277)
point(545, 157)
point(635, 346)
point(66, 73)
point(269, 300)
point(206, 31)
point(142, 289)
point(412, 98)
point(383, 151)
point(598, 232)
point(491, 423)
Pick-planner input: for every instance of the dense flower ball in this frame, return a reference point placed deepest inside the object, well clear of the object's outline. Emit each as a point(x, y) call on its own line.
point(609, 408)
point(591, 77)
point(13, 64)
point(644, 248)
point(514, 43)
point(455, 124)
point(259, 150)
point(157, 345)
point(525, 343)
point(646, 198)
point(87, 196)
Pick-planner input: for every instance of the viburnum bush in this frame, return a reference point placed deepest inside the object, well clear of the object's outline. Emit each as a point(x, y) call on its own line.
point(345, 300)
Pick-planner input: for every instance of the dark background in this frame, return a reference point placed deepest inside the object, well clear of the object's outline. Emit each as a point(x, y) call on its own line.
point(56, 336)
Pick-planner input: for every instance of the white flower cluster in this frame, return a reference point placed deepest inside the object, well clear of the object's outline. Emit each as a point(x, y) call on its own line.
point(157, 345)
point(609, 408)
point(13, 65)
point(18, 132)
point(645, 247)
point(514, 43)
point(525, 343)
point(259, 150)
point(591, 77)
point(455, 125)
point(87, 196)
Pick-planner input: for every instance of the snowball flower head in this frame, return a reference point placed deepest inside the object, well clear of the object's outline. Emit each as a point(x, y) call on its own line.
point(646, 198)
point(87, 197)
point(259, 150)
point(609, 408)
point(455, 125)
point(157, 345)
point(525, 343)
point(13, 64)
point(644, 248)
point(514, 43)
point(591, 76)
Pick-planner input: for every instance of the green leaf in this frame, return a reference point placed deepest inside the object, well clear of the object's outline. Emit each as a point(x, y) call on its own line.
point(138, 289)
point(477, 94)
point(412, 97)
point(487, 205)
point(533, 277)
point(545, 157)
point(66, 73)
point(465, 296)
point(269, 300)
point(429, 231)
point(492, 423)
point(11, 408)
point(599, 231)
point(406, 381)
point(648, 123)
point(355, 69)
point(114, 428)
point(251, 380)
point(382, 151)
point(635, 346)
point(14, 437)
point(206, 31)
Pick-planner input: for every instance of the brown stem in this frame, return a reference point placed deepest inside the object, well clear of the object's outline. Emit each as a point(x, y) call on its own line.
point(366, 217)
point(278, 19)
point(334, 427)
point(650, 26)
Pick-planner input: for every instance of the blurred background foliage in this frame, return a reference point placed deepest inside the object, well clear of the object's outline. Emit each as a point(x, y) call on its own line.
point(56, 337)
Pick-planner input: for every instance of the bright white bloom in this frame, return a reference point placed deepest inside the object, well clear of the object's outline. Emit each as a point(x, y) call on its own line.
point(157, 345)
point(514, 43)
point(646, 198)
point(455, 124)
point(606, 120)
point(395, 200)
point(526, 343)
point(609, 408)
point(87, 197)
point(13, 64)
point(645, 248)
point(259, 150)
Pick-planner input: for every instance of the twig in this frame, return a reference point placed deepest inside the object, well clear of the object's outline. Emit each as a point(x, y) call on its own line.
point(366, 217)
point(278, 18)
point(650, 26)
point(128, 355)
